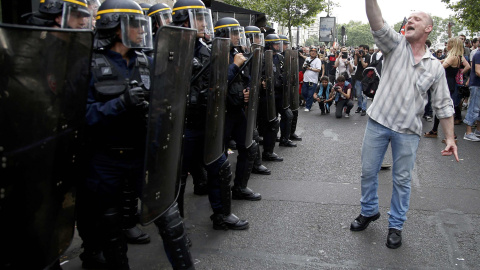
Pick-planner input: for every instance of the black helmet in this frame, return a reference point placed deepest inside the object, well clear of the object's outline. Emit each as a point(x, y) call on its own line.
point(285, 41)
point(271, 40)
point(145, 7)
point(73, 14)
point(230, 28)
point(255, 35)
point(193, 11)
point(126, 15)
point(161, 14)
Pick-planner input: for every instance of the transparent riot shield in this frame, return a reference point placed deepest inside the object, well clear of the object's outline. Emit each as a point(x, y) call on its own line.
point(293, 80)
point(255, 74)
point(44, 79)
point(216, 99)
point(286, 79)
point(269, 80)
point(173, 54)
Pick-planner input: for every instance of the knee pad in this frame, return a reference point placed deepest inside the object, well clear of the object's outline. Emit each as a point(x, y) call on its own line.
point(289, 114)
point(252, 151)
point(274, 125)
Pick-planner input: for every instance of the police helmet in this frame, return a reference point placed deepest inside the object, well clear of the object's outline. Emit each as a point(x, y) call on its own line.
point(145, 7)
point(198, 16)
point(73, 14)
point(271, 42)
point(285, 41)
point(230, 28)
point(255, 35)
point(135, 27)
point(161, 14)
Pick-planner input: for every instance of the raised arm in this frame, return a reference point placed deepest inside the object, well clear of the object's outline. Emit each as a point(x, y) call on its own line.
point(374, 14)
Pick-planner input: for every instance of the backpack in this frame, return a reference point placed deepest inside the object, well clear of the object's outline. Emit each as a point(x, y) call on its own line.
point(370, 82)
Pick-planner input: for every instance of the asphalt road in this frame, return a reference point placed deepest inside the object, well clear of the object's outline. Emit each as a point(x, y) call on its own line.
point(303, 219)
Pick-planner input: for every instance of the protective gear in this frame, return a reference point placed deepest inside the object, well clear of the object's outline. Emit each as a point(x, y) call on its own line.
point(133, 234)
point(145, 7)
point(168, 101)
point(133, 97)
point(293, 80)
point(135, 27)
point(240, 191)
point(198, 16)
point(251, 110)
point(273, 42)
point(287, 85)
point(255, 36)
point(172, 230)
point(161, 15)
point(293, 136)
point(285, 41)
point(73, 13)
point(230, 28)
point(44, 78)
point(115, 250)
point(215, 122)
point(270, 86)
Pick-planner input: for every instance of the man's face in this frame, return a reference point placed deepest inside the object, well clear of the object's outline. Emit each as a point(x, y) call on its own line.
point(371, 51)
point(235, 38)
point(476, 44)
point(200, 23)
point(341, 84)
point(439, 53)
point(417, 26)
point(324, 83)
point(276, 46)
point(136, 33)
point(77, 20)
point(305, 50)
point(313, 53)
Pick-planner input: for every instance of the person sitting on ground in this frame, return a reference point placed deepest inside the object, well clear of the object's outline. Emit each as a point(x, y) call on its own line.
point(343, 91)
point(323, 93)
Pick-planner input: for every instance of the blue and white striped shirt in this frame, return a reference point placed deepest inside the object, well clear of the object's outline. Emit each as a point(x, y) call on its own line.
point(402, 94)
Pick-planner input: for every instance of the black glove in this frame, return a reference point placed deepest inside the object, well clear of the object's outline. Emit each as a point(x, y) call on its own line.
point(133, 97)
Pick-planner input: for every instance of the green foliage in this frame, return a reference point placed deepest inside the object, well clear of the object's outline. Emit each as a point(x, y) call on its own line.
point(290, 13)
point(466, 12)
point(358, 33)
point(312, 40)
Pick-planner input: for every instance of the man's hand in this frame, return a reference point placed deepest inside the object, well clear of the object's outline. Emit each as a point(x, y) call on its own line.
point(450, 149)
point(239, 59)
point(246, 94)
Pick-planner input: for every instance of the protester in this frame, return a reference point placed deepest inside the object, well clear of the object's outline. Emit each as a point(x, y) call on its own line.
point(343, 91)
point(324, 95)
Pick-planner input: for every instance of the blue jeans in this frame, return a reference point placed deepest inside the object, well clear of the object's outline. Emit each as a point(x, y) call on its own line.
point(362, 99)
point(308, 88)
point(404, 151)
point(473, 111)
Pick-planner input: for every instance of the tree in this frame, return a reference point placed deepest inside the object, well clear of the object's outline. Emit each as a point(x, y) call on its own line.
point(290, 13)
point(466, 12)
point(358, 33)
point(312, 40)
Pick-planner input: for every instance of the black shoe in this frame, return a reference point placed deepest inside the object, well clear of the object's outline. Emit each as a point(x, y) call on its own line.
point(361, 222)
point(230, 222)
point(247, 194)
point(93, 260)
point(295, 137)
point(232, 145)
point(363, 113)
point(136, 236)
point(287, 143)
point(266, 156)
point(394, 238)
point(358, 110)
point(261, 170)
point(323, 113)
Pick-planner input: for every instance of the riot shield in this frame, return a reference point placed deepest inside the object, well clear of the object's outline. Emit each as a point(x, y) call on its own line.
point(216, 99)
point(44, 79)
point(173, 54)
point(269, 80)
point(251, 112)
point(293, 78)
point(286, 79)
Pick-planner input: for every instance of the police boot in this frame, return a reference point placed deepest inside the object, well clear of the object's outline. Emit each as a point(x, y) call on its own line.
point(175, 241)
point(271, 156)
point(245, 160)
point(293, 136)
point(258, 168)
point(133, 234)
point(92, 258)
point(287, 143)
point(115, 250)
point(199, 175)
point(224, 219)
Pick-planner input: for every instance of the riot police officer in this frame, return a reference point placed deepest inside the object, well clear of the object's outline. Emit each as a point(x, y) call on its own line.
point(268, 128)
point(255, 35)
point(161, 14)
point(145, 7)
point(194, 14)
point(116, 121)
point(293, 136)
point(237, 96)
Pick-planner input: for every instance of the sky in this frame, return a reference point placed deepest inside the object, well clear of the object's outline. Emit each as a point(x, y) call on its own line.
point(392, 11)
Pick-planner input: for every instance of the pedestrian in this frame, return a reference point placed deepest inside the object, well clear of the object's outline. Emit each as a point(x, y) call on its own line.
point(473, 111)
point(395, 116)
point(343, 93)
point(312, 67)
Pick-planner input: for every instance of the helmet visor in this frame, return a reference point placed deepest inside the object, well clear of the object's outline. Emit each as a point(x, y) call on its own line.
point(237, 36)
point(277, 45)
point(136, 32)
point(163, 17)
point(257, 38)
point(76, 16)
point(201, 19)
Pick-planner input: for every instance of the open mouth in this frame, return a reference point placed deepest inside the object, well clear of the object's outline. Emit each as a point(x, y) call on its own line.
point(410, 28)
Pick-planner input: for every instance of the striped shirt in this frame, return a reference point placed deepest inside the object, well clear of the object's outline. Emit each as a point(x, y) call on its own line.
point(402, 94)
